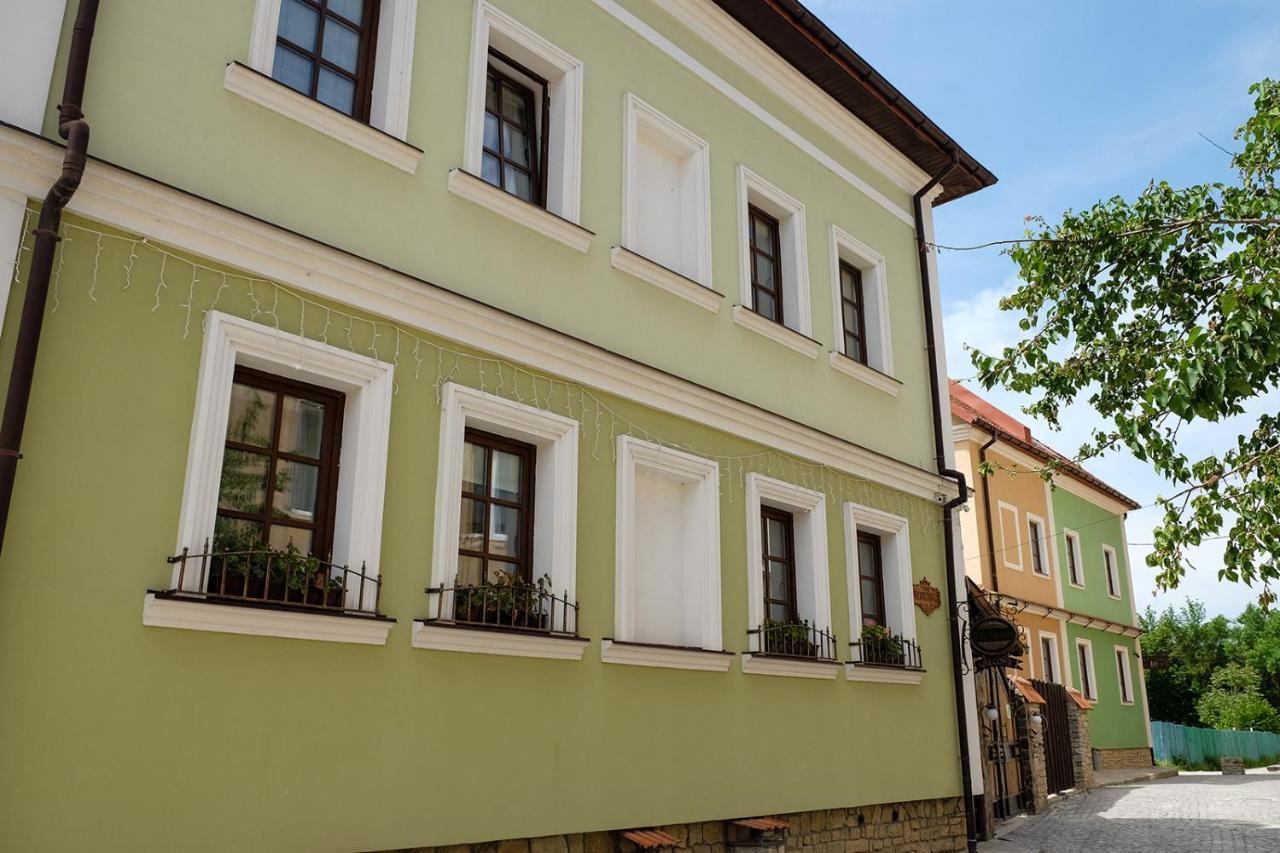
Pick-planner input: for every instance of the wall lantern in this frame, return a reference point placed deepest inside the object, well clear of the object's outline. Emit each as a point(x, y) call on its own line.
point(1036, 720)
point(990, 713)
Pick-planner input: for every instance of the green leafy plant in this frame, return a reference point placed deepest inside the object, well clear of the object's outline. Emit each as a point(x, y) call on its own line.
point(1161, 312)
point(509, 601)
point(788, 637)
point(1235, 701)
point(880, 645)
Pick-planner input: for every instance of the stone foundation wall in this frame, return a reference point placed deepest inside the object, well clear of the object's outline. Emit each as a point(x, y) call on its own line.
point(1081, 745)
point(921, 826)
point(1114, 759)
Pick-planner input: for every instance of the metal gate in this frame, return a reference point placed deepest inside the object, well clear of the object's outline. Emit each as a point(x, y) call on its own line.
point(1008, 746)
point(1059, 767)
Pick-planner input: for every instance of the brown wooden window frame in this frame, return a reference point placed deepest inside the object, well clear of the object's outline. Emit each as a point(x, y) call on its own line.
point(528, 454)
point(1086, 671)
point(875, 576)
point(1075, 571)
point(540, 121)
point(1126, 686)
point(859, 306)
point(1049, 660)
point(322, 523)
point(773, 253)
point(363, 76)
point(1112, 570)
point(1035, 535)
point(787, 563)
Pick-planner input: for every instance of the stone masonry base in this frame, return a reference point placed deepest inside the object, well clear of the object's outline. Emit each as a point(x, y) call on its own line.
point(1115, 759)
point(921, 826)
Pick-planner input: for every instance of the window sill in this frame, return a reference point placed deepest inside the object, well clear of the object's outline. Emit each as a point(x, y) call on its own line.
point(454, 638)
point(1075, 585)
point(770, 665)
point(466, 185)
point(851, 367)
point(672, 282)
point(199, 614)
point(666, 657)
point(265, 92)
point(882, 674)
point(790, 338)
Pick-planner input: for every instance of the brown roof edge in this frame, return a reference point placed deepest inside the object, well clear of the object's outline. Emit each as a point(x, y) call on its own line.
point(801, 38)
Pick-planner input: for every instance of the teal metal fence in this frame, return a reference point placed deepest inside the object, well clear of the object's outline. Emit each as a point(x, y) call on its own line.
point(1185, 744)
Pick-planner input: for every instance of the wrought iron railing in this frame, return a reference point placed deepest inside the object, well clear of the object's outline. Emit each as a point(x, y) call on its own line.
point(892, 650)
point(268, 576)
point(514, 605)
point(792, 640)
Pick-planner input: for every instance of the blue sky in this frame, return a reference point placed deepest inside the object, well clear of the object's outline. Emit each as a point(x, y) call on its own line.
point(1069, 103)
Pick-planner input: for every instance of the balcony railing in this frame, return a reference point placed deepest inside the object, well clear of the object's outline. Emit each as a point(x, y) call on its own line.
point(792, 640)
point(891, 650)
point(289, 579)
point(514, 605)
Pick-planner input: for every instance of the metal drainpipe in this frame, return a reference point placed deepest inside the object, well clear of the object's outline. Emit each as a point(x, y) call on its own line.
point(986, 508)
point(940, 460)
point(73, 128)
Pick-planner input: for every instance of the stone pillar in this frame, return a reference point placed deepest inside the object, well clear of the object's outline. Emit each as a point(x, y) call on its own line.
point(1081, 745)
point(1036, 757)
point(1232, 766)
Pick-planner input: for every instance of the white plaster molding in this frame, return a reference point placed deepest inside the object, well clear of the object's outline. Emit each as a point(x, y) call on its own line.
point(898, 209)
point(776, 332)
point(1070, 484)
point(1124, 672)
point(1111, 573)
point(1041, 636)
point(1009, 551)
point(790, 667)
point(664, 657)
point(875, 303)
point(449, 638)
point(262, 90)
point(877, 380)
point(367, 384)
point(754, 190)
point(555, 521)
point(199, 615)
point(813, 580)
point(881, 674)
point(638, 266)
point(466, 185)
point(494, 28)
point(1092, 693)
point(124, 200)
point(895, 556)
point(1046, 540)
point(1068, 534)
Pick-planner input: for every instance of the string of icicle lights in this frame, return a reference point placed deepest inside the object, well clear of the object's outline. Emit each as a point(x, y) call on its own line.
point(199, 288)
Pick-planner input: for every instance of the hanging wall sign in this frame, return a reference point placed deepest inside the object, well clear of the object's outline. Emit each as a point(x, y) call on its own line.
point(994, 638)
point(927, 596)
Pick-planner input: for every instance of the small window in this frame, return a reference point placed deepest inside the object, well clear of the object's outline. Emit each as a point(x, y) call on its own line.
point(1049, 657)
point(1035, 533)
point(278, 487)
point(1126, 679)
point(495, 529)
point(853, 313)
point(515, 116)
point(1084, 654)
point(1113, 578)
point(324, 49)
point(778, 538)
point(766, 266)
point(1074, 569)
point(871, 580)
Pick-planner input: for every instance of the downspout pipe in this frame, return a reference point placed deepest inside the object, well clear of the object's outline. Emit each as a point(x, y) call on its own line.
point(940, 460)
point(986, 508)
point(75, 130)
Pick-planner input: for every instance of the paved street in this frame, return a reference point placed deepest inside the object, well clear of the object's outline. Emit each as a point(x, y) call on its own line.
point(1187, 814)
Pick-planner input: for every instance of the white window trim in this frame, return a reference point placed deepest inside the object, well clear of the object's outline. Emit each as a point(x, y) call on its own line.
point(1111, 573)
point(894, 533)
point(744, 316)
point(1056, 675)
point(357, 539)
point(640, 267)
point(1078, 569)
point(634, 454)
point(750, 183)
point(637, 112)
point(393, 64)
point(466, 185)
point(845, 247)
point(564, 184)
point(1124, 672)
point(555, 513)
point(1092, 693)
point(664, 657)
point(1047, 574)
point(848, 366)
point(1007, 550)
point(810, 508)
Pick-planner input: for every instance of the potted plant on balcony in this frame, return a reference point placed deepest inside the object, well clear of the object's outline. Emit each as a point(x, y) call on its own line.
point(792, 638)
point(881, 646)
point(509, 601)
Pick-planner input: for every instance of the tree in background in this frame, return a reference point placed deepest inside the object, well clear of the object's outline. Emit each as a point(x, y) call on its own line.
point(1257, 643)
point(1189, 649)
point(1234, 701)
point(1164, 311)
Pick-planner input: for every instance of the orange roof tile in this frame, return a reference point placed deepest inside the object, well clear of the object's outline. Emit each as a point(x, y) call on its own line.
point(1028, 692)
point(650, 838)
point(763, 823)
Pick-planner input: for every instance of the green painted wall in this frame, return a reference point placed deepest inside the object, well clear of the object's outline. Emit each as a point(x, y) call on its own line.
point(115, 736)
point(1096, 526)
point(156, 99)
point(1111, 724)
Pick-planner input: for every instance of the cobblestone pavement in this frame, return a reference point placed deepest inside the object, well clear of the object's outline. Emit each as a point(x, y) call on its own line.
point(1187, 814)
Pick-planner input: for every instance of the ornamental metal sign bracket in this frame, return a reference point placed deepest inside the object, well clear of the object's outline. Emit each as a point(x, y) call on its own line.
point(990, 631)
